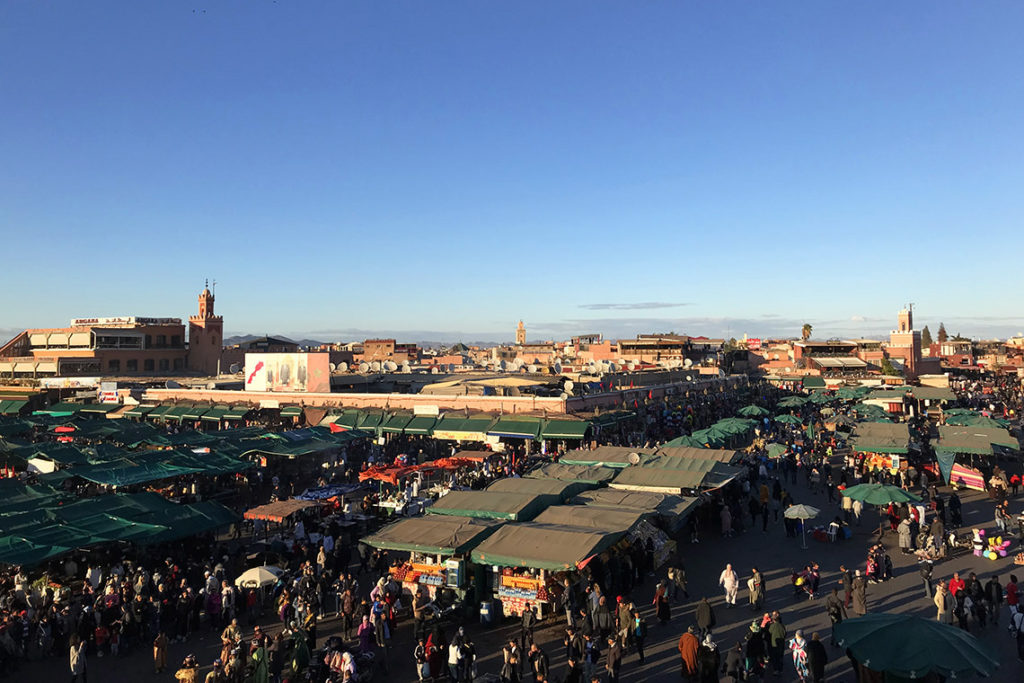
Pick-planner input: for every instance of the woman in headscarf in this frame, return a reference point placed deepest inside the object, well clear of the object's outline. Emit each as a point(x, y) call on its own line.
point(662, 607)
point(260, 664)
point(798, 646)
point(708, 661)
point(755, 650)
point(367, 642)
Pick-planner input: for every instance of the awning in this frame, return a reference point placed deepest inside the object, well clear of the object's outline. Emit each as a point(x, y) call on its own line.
point(436, 535)
point(61, 409)
point(420, 425)
point(236, 412)
point(396, 423)
point(10, 407)
point(516, 428)
point(564, 429)
point(452, 428)
point(492, 505)
point(543, 546)
point(371, 421)
point(349, 419)
point(160, 411)
point(139, 411)
point(291, 411)
point(100, 408)
point(279, 511)
point(196, 411)
point(215, 414)
point(177, 412)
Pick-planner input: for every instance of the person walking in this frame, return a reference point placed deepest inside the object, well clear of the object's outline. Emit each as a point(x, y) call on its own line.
point(798, 646)
point(846, 578)
point(613, 659)
point(776, 642)
point(994, 597)
point(708, 661)
point(688, 647)
point(755, 585)
point(817, 659)
point(836, 612)
point(860, 597)
point(705, 617)
point(76, 658)
point(731, 582)
point(925, 570)
point(159, 652)
point(943, 605)
point(639, 633)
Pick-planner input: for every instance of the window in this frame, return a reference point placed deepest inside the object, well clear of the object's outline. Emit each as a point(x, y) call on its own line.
point(175, 340)
point(148, 365)
point(149, 341)
point(114, 365)
point(179, 363)
point(133, 365)
point(164, 364)
point(161, 340)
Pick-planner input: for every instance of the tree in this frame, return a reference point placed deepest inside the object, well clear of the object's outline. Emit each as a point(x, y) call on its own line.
point(942, 333)
point(805, 331)
point(926, 337)
point(888, 368)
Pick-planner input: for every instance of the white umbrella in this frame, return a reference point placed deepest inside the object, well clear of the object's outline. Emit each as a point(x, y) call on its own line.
point(259, 577)
point(801, 512)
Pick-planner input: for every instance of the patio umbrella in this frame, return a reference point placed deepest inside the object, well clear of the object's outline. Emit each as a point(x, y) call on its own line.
point(789, 420)
point(753, 411)
point(879, 494)
point(910, 647)
point(259, 577)
point(776, 449)
point(801, 512)
point(792, 402)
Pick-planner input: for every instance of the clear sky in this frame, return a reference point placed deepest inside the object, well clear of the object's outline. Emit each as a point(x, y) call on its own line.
point(446, 168)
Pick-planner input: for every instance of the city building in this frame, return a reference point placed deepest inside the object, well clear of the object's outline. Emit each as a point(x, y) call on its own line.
point(520, 333)
point(388, 350)
point(205, 337)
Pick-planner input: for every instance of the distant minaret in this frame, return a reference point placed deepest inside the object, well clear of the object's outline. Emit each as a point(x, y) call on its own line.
point(520, 333)
point(205, 336)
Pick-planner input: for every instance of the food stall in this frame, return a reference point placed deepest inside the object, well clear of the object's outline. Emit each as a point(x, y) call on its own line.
point(528, 560)
point(513, 507)
point(564, 490)
point(438, 547)
point(671, 511)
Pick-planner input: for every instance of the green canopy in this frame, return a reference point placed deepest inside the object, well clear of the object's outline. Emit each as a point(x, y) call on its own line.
point(421, 425)
point(492, 505)
point(880, 437)
point(975, 421)
point(734, 425)
point(18, 551)
point(974, 440)
point(237, 412)
point(348, 419)
point(216, 413)
point(789, 420)
point(710, 438)
point(753, 411)
point(605, 519)
point(291, 411)
point(685, 440)
point(603, 456)
point(61, 409)
point(911, 647)
point(547, 487)
point(12, 406)
point(594, 475)
point(879, 494)
point(139, 411)
point(516, 428)
point(564, 429)
point(814, 382)
point(543, 546)
point(776, 450)
point(792, 402)
point(196, 411)
point(370, 421)
point(434, 534)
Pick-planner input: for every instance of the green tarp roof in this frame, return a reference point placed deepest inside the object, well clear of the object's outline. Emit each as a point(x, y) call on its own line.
point(100, 408)
point(196, 411)
point(139, 411)
point(543, 546)
point(564, 429)
point(237, 412)
point(420, 425)
point(434, 534)
point(216, 413)
point(492, 505)
point(672, 475)
point(587, 474)
point(370, 421)
point(975, 440)
point(349, 419)
point(814, 382)
point(604, 519)
point(721, 455)
point(603, 456)
point(667, 505)
point(291, 411)
point(516, 427)
point(550, 487)
point(12, 407)
point(880, 437)
point(61, 409)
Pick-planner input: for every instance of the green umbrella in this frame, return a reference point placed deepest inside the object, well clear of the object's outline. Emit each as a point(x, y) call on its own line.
point(753, 411)
point(710, 437)
point(848, 393)
point(789, 420)
point(684, 440)
point(734, 425)
point(880, 494)
point(821, 397)
point(905, 646)
point(792, 402)
point(776, 449)
point(975, 421)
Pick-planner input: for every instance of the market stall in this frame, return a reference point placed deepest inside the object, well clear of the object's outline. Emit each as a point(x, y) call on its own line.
point(279, 511)
point(530, 558)
point(595, 475)
point(661, 474)
point(564, 490)
point(438, 546)
point(514, 507)
point(671, 510)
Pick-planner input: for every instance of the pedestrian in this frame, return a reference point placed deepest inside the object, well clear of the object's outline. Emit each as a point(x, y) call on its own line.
point(733, 665)
point(846, 578)
point(538, 662)
point(926, 577)
point(798, 646)
point(817, 659)
point(160, 652)
point(639, 633)
point(688, 647)
point(943, 605)
point(526, 626)
point(568, 601)
point(1012, 595)
point(776, 641)
point(662, 608)
point(705, 617)
point(728, 580)
point(836, 612)
point(994, 597)
point(755, 585)
point(904, 536)
point(76, 658)
point(708, 661)
point(613, 659)
point(1017, 627)
point(860, 598)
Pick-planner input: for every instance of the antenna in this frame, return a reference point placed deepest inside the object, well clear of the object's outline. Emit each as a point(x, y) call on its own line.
point(214, 289)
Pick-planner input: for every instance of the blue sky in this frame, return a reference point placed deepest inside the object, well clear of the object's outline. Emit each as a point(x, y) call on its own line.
point(446, 168)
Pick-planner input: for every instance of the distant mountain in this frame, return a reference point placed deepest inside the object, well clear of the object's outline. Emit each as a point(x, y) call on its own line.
point(242, 338)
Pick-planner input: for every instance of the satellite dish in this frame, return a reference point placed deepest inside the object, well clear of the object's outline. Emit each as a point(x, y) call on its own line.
point(532, 369)
point(375, 366)
point(364, 367)
point(451, 367)
point(391, 366)
point(342, 367)
point(687, 363)
point(563, 396)
point(689, 378)
point(558, 368)
point(434, 370)
point(235, 368)
point(569, 385)
point(630, 366)
point(171, 384)
point(333, 367)
point(513, 391)
point(634, 458)
point(502, 365)
point(211, 385)
point(405, 368)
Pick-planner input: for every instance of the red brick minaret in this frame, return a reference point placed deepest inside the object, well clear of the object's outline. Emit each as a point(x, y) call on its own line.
point(205, 336)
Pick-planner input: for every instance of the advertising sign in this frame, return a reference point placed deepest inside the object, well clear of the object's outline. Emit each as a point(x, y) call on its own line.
point(288, 372)
point(108, 392)
point(68, 382)
point(753, 345)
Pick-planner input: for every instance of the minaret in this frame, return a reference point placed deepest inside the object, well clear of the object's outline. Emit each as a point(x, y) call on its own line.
point(520, 333)
point(205, 336)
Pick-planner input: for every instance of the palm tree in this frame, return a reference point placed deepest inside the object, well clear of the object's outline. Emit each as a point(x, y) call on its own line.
point(805, 331)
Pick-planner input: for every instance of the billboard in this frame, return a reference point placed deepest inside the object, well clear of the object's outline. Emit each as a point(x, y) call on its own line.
point(753, 344)
point(305, 372)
